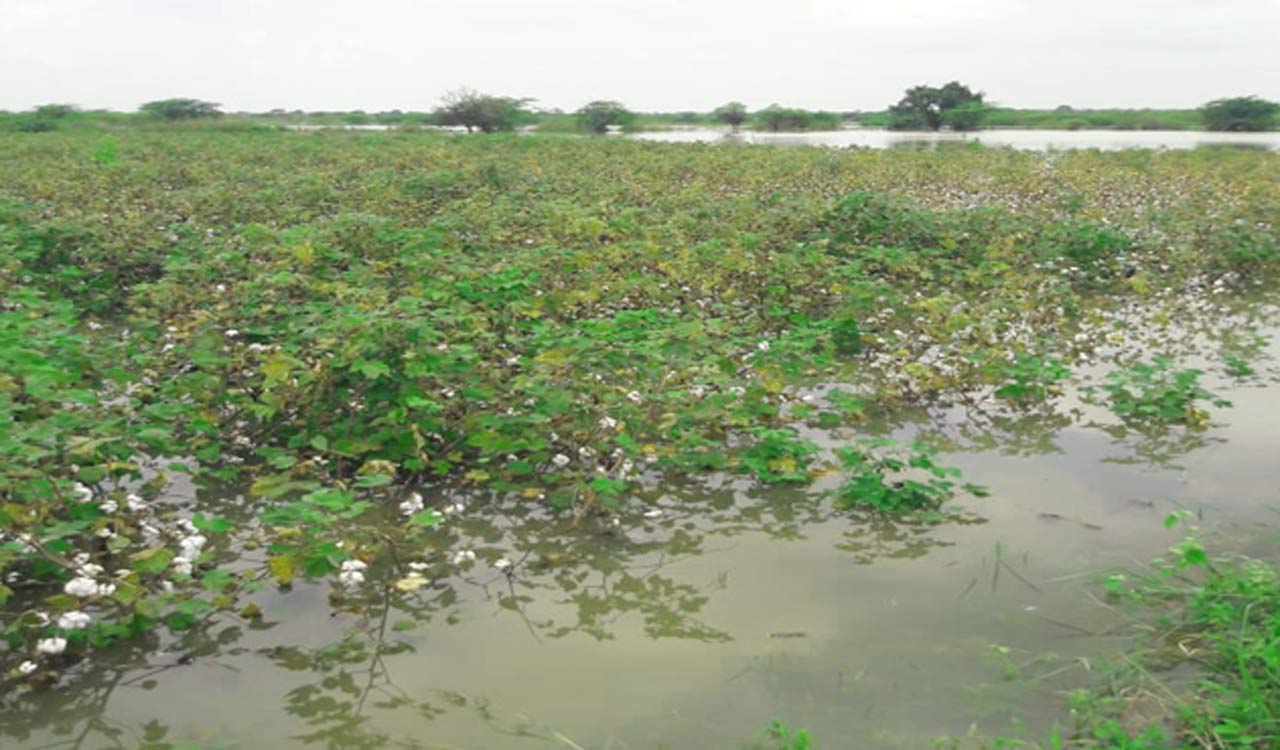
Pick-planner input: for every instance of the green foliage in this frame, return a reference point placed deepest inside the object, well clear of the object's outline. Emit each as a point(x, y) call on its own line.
point(476, 111)
point(963, 117)
point(1241, 113)
point(34, 124)
point(732, 114)
point(1157, 392)
point(180, 109)
point(783, 737)
point(55, 111)
point(598, 116)
point(1224, 613)
point(954, 105)
point(887, 477)
point(776, 119)
point(331, 319)
point(1031, 378)
point(778, 456)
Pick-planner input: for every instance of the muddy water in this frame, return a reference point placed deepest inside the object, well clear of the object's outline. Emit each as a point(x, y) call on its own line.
point(691, 629)
point(1034, 140)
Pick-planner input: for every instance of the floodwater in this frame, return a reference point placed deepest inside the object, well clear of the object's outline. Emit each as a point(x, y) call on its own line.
point(1032, 140)
point(694, 627)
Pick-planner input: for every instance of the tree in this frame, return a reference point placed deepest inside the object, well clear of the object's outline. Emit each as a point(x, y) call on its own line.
point(476, 111)
point(774, 118)
point(1241, 113)
point(732, 114)
point(965, 117)
point(180, 109)
point(55, 111)
point(597, 116)
point(925, 107)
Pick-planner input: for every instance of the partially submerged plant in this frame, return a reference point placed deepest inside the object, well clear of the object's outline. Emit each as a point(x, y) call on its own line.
point(885, 476)
point(1157, 391)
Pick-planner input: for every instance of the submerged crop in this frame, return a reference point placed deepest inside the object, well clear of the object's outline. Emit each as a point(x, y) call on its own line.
point(355, 329)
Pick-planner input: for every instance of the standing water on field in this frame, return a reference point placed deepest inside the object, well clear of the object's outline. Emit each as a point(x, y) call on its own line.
point(684, 625)
point(391, 440)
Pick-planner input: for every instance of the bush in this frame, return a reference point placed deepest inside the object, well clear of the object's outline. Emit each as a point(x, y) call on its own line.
point(598, 116)
point(33, 125)
point(1241, 113)
point(180, 109)
point(476, 111)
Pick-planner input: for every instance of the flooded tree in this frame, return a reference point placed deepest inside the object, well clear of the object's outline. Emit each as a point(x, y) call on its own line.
point(181, 109)
point(732, 114)
point(925, 107)
point(484, 112)
point(1241, 113)
point(598, 116)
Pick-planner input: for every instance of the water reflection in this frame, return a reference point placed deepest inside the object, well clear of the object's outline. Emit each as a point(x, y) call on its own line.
point(692, 618)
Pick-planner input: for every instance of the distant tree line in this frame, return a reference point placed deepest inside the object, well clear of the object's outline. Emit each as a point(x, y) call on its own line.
point(953, 106)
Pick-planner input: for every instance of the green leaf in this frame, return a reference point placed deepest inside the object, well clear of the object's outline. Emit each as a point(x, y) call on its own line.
point(215, 525)
point(426, 518)
point(371, 369)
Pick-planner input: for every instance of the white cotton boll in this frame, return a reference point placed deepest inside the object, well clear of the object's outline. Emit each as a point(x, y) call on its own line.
point(634, 397)
point(412, 505)
point(90, 569)
point(81, 587)
point(560, 460)
point(181, 566)
point(27, 667)
point(134, 503)
point(655, 513)
point(106, 589)
point(74, 620)
point(608, 423)
point(108, 507)
point(51, 646)
point(763, 346)
point(463, 556)
point(352, 573)
point(192, 545)
point(417, 567)
point(502, 564)
point(82, 494)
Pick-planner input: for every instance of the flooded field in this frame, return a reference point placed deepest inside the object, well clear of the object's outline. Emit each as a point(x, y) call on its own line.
point(683, 626)
point(1034, 140)
point(372, 440)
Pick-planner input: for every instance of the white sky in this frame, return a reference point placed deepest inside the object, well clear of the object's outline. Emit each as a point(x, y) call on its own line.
point(649, 54)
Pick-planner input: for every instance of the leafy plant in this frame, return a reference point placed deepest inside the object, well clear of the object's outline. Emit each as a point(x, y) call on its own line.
point(885, 476)
point(786, 738)
point(1156, 391)
point(778, 456)
point(1031, 378)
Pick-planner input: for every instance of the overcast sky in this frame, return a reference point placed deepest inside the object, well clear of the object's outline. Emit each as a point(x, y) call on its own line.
point(649, 54)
